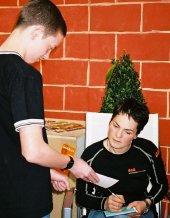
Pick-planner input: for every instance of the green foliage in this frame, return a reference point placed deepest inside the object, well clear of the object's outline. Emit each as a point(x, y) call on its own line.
point(122, 82)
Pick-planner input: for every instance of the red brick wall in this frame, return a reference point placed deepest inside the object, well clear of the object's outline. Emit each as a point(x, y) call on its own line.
point(98, 31)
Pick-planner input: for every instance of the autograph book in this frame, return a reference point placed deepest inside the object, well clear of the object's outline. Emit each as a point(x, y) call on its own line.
point(123, 211)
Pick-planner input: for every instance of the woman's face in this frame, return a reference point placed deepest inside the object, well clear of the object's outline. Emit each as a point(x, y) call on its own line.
point(122, 130)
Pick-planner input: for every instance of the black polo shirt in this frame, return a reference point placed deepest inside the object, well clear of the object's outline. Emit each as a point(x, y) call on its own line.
point(25, 188)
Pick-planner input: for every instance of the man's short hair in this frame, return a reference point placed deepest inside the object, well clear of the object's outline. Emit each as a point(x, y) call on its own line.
point(42, 12)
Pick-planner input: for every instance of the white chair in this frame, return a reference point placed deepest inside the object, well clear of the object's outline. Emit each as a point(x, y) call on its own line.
point(96, 129)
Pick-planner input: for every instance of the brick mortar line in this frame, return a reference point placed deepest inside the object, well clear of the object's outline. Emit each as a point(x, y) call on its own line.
point(102, 60)
point(110, 33)
point(156, 90)
point(164, 118)
point(93, 4)
point(168, 105)
point(141, 17)
point(66, 111)
point(72, 86)
point(102, 86)
point(74, 111)
point(118, 32)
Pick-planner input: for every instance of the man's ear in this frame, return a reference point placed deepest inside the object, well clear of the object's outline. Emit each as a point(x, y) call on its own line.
point(37, 31)
point(135, 136)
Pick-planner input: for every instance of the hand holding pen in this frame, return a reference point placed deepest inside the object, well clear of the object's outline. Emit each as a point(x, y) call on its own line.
point(114, 202)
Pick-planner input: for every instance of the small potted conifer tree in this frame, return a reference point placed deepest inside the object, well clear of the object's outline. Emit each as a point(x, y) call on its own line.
point(122, 81)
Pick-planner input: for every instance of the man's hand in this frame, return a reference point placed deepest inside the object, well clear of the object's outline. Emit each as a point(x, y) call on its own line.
point(82, 170)
point(59, 181)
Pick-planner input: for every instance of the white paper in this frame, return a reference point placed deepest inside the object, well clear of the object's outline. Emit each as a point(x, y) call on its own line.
point(105, 181)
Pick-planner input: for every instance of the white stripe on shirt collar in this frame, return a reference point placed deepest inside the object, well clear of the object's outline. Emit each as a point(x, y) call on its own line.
point(11, 52)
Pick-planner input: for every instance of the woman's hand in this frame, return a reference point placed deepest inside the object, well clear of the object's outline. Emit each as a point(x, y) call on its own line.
point(140, 207)
point(114, 203)
point(59, 181)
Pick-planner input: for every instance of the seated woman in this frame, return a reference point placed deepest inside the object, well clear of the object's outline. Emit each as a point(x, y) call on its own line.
point(132, 160)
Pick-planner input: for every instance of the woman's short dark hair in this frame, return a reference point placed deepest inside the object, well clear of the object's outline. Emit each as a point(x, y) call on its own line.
point(42, 12)
point(138, 111)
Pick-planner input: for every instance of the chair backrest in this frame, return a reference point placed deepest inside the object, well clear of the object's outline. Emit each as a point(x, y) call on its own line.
point(97, 127)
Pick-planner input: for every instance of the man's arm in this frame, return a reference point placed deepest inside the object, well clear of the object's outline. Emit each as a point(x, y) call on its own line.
point(35, 150)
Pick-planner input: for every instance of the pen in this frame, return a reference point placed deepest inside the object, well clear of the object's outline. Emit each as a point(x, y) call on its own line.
point(117, 197)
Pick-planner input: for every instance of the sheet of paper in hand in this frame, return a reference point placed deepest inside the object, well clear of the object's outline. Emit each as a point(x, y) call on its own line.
point(123, 211)
point(105, 181)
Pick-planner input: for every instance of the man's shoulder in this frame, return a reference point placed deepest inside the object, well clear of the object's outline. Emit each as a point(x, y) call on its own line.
point(15, 65)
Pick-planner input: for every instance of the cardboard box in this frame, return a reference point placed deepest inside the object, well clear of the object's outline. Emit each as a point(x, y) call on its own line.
point(76, 139)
